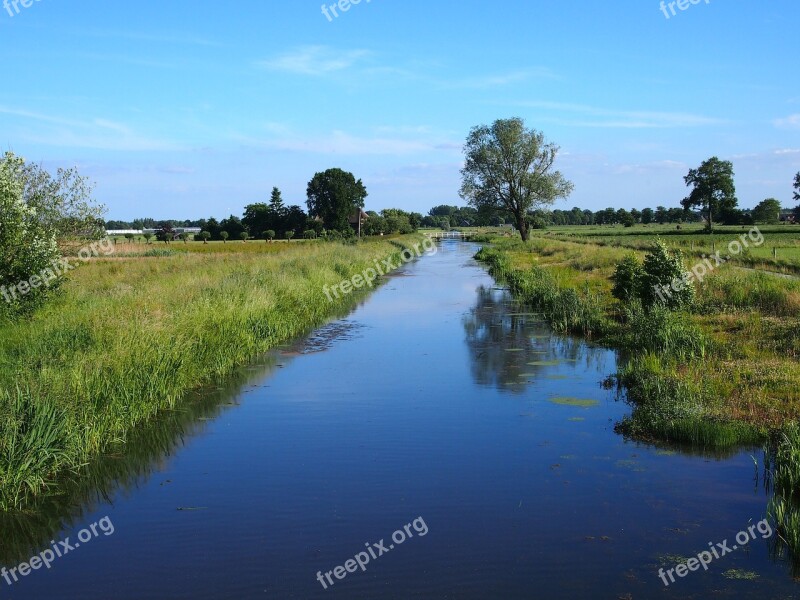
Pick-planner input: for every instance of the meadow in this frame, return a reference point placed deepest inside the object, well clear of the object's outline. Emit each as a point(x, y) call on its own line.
point(130, 335)
point(780, 251)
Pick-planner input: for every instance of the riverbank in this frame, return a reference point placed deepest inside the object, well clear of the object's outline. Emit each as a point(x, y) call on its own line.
point(722, 374)
point(131, 336)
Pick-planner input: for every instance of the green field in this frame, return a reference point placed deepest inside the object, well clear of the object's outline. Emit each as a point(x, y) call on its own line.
point(779, 251)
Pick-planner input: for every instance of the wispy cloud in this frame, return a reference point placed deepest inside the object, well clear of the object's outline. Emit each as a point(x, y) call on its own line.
point(343, 143)
point(500, 79)
point(790, 122)
point(314, 60)
point(591, 116)
point(100, 134)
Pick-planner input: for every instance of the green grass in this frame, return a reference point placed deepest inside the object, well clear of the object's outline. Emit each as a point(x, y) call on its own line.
point(780, 250)
point(721, 374)
point(782, 467)
point(129, 337)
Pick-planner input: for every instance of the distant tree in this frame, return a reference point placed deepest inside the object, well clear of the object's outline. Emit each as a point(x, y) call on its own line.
point(244, 236)
point(296, 219)
point(334, 196)
point(165, 232)
point(797, 195)
point(289, 235)
point(375, 225)
point(185, 237)
point(224, 235)
point(205, 235)
point(797, 187)
point(676, 215)
point(713, 190)
point(148, 237)
point(233, 225)
point(309, 234)
point(276, 201)
point(269, 235)
point(129, 237)
point(213, 227)
point(509, 169)
point(257, 217)
point(637, 215)
point(606, 216)
point(647, 216)
point(767, 211)
point(443, 210)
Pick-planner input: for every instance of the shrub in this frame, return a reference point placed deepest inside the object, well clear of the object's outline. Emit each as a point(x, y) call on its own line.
point(310, 234)
point(627, 279)
point(664, 270)
point(26, 248)
point(659, 281)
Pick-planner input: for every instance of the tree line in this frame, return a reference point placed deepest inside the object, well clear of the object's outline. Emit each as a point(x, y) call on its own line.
point(334, 202)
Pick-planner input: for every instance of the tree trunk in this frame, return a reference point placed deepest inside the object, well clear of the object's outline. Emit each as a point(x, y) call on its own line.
point(522, 225)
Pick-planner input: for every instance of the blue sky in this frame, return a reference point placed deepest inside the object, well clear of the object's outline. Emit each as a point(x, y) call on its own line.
point(191, 109)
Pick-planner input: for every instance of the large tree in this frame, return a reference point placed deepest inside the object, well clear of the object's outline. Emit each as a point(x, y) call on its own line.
point(509, 170)
point(334, 196)
point(767, 211)
point(713, 190)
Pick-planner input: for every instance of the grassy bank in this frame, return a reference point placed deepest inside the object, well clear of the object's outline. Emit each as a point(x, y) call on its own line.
point(722, 374)
point(130, 336)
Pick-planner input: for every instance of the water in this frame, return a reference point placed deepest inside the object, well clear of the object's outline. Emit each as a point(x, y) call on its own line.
point(440, 405)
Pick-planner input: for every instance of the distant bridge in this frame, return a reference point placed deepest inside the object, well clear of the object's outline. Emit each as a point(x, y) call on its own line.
point(449, 235)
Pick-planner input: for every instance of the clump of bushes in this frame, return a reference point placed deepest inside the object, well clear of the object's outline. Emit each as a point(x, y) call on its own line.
point(27, 247)
point(661, 280)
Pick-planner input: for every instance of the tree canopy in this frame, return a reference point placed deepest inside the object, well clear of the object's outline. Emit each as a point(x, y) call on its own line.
point(334, 196)
point(767, 211)
point(713, 190)
point(508, 169)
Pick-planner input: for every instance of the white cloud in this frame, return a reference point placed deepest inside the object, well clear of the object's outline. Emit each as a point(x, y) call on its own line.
point(790, 122)
point(314, 60)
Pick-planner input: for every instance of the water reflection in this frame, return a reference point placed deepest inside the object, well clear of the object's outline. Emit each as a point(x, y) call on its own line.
point(511, 347)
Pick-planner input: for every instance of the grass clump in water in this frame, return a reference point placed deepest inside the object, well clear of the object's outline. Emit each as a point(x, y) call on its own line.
point(578, 402)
